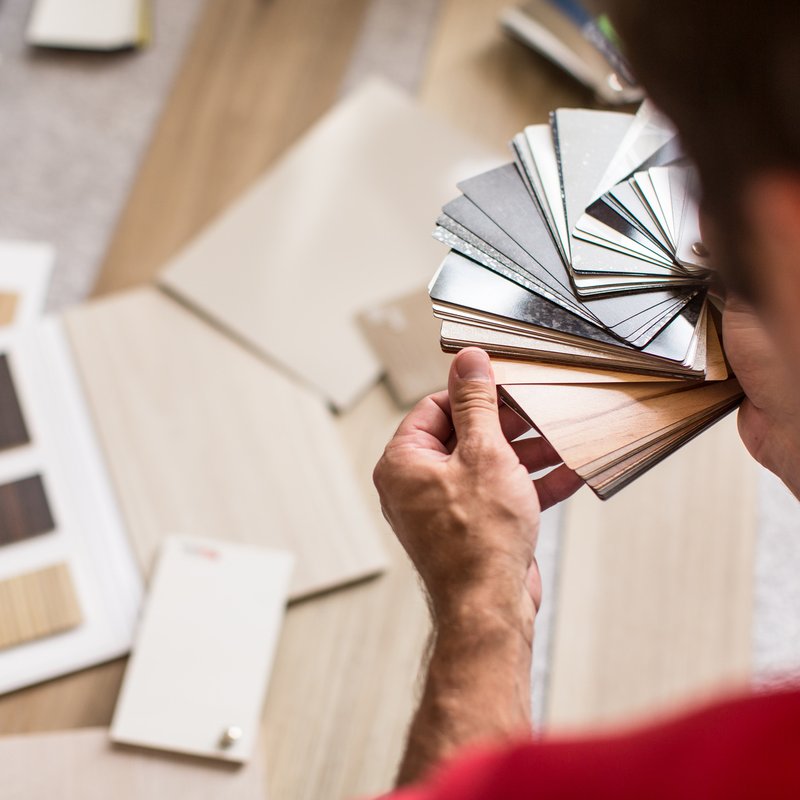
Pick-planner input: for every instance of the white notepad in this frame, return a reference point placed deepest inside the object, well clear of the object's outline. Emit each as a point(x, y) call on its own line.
point(198, 674)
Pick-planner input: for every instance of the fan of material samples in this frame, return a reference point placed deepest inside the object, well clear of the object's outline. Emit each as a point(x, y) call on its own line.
point(580, 268)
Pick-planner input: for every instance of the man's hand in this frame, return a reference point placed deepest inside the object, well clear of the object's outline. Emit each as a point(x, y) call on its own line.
point(460, 498)
point(769, 419)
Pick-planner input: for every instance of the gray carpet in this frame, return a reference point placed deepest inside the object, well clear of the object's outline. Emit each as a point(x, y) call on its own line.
point(74, 128)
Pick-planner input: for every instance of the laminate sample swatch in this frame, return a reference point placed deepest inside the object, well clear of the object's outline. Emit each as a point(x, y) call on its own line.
point(24, 510)
point(8, 307)
point(339, 225)
point(37, 604)
point(85, 765)
point(13, 431)
point(404, 335)
point(202, 435)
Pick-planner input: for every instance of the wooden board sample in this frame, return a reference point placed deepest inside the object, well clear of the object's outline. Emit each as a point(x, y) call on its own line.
point(84, 765)
point(339, 224)
point(280, 64)
point(203, 438)
point(403, 333)
point(610, 433)
point(37, 604)
point(24, 510)
point(13, 431)
point(8, 307)
point(655, 590)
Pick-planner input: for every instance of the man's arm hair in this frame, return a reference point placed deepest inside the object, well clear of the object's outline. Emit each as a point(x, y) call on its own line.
point(476, 690)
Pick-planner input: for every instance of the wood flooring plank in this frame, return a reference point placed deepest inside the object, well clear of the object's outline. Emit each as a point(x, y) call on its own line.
point(489, 85)
point(655, 594)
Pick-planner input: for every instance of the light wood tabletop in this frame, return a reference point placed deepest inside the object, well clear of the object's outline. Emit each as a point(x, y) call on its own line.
point(343, 688)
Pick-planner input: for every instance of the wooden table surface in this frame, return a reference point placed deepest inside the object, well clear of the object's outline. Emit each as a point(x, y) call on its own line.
point(256, 76)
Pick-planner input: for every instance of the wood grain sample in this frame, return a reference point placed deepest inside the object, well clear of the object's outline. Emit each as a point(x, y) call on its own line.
point(24, 510)
point(84, 765)
point(404, 335)
point(204, 438)
point(13, 431)
point(37, 604)
point(610, 433)
point(8, 307)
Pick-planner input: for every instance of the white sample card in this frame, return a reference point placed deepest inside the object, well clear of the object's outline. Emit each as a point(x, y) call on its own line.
point(198, 674)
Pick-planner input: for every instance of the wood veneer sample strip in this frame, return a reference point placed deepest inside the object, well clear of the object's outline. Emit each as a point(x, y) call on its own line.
point(24, 510)
point(13, 431)
point(8, 307)
point(404, 335)
point(201, 435)
point(509, 372)
point(586, 422)
point(84, 765)
point(37, 604)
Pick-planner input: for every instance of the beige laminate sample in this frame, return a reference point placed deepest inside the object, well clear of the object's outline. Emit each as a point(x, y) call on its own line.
point(203, 438)
point(84, 765)
point(340, 224)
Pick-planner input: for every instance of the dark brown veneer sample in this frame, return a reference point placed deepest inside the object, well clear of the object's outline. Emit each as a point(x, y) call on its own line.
point(24, 510)
point(13, 431)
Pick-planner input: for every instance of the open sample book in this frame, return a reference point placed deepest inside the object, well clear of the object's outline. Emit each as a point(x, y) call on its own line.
point(580, 268)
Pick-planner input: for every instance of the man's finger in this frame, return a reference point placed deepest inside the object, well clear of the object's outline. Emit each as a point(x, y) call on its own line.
point(473, 397)
point(536, 453)
point(429, 421)
point(556, 486)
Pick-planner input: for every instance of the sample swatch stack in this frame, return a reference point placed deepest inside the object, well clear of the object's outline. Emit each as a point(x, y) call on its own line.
point(581, 269)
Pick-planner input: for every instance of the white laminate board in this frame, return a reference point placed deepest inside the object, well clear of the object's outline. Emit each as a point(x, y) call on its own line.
point(204, 649)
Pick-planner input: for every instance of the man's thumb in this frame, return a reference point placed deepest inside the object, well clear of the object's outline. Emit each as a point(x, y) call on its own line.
point(473, 395)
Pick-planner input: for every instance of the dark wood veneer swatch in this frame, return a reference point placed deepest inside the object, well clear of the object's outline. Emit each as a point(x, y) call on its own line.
point(24, 510)
point(13, 431)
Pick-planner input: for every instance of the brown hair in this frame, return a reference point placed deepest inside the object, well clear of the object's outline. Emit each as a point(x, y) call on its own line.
point(728, 75)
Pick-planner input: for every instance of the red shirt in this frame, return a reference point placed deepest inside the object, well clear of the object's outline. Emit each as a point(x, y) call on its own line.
point(747, 748)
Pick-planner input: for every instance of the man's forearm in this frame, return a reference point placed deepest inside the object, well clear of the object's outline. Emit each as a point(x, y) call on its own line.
point(477, 686)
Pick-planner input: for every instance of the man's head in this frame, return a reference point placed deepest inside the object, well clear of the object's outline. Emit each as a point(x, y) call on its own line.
point(728, 75)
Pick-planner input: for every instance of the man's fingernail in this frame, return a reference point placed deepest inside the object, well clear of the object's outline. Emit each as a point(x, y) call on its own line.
point(473, 364)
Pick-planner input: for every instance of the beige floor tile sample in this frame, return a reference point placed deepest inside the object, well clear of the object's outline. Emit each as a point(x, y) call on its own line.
point(84, 765)
point(342, 223)
point(204, 438)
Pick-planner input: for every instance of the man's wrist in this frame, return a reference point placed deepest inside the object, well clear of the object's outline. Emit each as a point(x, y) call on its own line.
point(486, 611)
